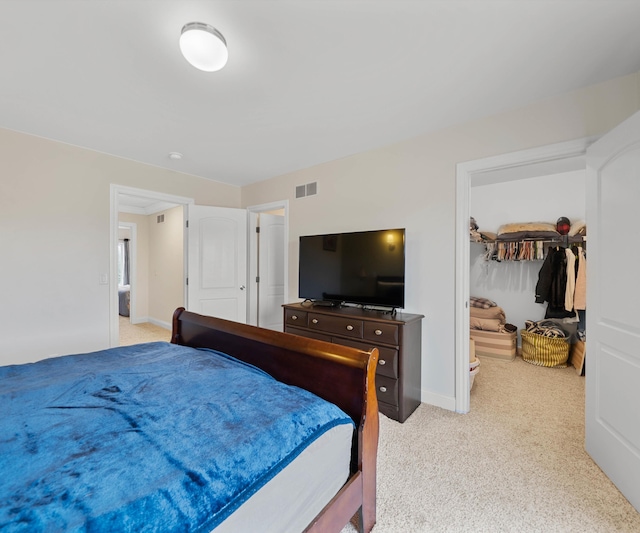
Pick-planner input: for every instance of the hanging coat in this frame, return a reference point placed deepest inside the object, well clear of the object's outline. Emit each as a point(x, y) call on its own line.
point(552, 283)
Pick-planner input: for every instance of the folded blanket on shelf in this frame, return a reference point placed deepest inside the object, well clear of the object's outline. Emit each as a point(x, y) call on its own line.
point(527, 230)
point(488, 235)
point(484, 303)
point(486, 324)
point(491, 312)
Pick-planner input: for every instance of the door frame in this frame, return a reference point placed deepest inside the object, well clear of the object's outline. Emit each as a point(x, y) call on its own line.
point(549, 159)
point(115, 190)
point(252, 264)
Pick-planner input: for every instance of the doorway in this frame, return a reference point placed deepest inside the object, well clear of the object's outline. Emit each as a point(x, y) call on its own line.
point(510, 281)
point(127, 203)
point(127, 269)
point(552, 159)
point(122, 195)
point(268, 257)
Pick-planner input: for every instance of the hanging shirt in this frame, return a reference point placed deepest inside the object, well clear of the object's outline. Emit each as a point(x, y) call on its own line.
point(580, 293)
point(571, 280)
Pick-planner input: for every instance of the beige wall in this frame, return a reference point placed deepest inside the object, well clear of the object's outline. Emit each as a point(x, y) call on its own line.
point(54, 218)
point(166, 265)
point(413, 185)
point(55, 232)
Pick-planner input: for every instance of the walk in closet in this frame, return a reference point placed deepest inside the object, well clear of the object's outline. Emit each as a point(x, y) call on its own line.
point(507, 272)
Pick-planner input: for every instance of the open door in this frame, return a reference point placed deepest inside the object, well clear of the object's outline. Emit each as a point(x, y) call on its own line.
point(271, 271)
point(217, 262)
point(613, 314)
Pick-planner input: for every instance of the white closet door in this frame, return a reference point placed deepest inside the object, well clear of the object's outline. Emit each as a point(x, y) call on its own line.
point(613, 307)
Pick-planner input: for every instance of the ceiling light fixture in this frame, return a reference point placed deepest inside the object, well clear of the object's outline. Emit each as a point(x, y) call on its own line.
point(175, 155)
point(203, 46)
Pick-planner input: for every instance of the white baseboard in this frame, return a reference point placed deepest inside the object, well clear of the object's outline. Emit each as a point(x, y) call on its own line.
point(150, 320)
point(446, 402)
point(155, 321)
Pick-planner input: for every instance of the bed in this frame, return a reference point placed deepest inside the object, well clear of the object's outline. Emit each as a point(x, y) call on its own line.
point(124, 298)
point(49, 491)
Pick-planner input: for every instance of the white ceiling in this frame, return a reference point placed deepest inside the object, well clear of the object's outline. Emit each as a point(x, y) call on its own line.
point(307, 81)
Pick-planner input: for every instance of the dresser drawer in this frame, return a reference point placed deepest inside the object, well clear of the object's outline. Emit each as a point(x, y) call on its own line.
point(306, 333)
point(387, 390)
point(295, 318)
point(387, 360)
point(384, 333)
point(335, 324)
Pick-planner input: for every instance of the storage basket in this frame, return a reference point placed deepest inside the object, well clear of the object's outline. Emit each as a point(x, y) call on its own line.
point(474, 368)
point(495, 343)
point(544, 351)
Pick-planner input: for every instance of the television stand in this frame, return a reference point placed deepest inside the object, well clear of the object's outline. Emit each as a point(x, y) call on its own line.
point(398, 338)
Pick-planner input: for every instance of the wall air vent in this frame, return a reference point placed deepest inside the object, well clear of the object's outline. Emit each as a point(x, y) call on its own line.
point(306, 190)
point(160, 219)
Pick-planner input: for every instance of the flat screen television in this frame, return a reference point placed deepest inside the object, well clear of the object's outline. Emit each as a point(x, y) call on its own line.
point(364, 267)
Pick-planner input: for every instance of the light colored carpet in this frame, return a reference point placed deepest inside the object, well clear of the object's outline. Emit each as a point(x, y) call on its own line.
point(138, 333)
point(515, 463)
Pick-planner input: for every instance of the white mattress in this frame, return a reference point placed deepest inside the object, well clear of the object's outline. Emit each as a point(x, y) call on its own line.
point(289, 501)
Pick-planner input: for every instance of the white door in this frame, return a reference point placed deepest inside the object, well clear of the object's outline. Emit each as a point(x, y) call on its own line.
point(217, 262)
point(271, 271)
point(613, 314)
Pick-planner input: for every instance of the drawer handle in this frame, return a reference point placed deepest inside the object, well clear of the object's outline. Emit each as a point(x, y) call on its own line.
point(383, 389)
point(382, 362)
point(294, 317)
point(349, 327)
point(378, 332)
point(315, 321)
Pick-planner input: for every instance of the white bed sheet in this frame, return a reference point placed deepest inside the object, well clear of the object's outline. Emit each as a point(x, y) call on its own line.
point(289, 501)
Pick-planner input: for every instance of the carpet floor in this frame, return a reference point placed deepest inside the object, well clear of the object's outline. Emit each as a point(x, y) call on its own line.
point(515, 463)
point(139, 333)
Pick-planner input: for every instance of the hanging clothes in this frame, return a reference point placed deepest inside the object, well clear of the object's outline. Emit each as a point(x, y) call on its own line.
point(571, 280)
point(580, 294)
point(552, 283)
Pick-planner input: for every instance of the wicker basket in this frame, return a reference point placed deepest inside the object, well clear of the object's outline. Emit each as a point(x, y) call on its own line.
point(544, 351)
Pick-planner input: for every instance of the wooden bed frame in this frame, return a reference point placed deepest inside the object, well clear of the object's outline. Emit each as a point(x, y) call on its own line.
point(342, 375)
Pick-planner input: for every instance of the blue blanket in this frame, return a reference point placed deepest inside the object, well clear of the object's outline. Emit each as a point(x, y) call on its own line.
point(152, 437)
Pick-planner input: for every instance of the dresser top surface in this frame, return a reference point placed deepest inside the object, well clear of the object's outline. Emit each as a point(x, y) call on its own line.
point(356, 312)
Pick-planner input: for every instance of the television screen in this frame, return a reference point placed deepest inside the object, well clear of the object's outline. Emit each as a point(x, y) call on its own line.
point(365, 267)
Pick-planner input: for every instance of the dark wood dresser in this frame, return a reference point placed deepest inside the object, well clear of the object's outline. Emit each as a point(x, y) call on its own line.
point(398, 338)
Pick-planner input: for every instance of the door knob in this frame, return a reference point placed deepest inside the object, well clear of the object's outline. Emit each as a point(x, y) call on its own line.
point(242, 287)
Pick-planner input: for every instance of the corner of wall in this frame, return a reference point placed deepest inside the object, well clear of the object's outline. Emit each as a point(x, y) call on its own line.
point(438, 400)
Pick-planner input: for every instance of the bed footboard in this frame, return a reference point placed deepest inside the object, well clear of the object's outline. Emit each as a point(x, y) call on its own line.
point(339, 374)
